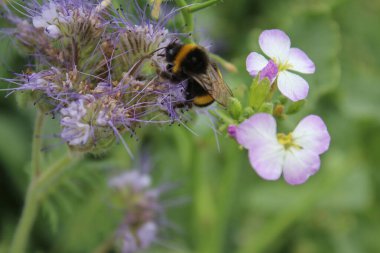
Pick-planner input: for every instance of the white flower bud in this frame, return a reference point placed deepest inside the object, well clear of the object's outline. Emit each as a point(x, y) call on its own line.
point(53, 31)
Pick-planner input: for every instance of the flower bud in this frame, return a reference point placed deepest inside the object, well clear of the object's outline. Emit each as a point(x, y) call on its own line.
point(235, 108)
point(278, 110)
point(258, 92)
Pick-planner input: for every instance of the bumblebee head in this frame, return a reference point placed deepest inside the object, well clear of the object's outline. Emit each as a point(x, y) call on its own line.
point(172, 50)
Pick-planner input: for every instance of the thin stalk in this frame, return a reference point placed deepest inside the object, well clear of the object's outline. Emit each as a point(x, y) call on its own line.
point(106, 246)
point(225, 64)
point(187, 18)
point(30, 208)
point(223, 116)
point(201, 6)
point(55, 170)
point(32, 203)
point(25, 224)
point(272, 91)
point(37, 144)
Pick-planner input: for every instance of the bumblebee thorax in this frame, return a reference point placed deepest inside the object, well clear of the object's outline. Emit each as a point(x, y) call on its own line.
point(187, 58)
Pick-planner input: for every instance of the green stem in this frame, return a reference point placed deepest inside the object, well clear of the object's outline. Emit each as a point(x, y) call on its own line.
point(55, 170)
point(24, 226)
point(272, 91)
point(223, 116)
point(106, 246)
point(187, 18)
point(32, 203)
point(225, 64)
point(201, 6)
point(37, 144)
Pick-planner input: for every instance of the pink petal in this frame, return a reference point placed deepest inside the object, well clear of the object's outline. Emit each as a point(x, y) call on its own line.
point(292, 86)
point(257, 130)
point(300, 62)
point(311, 134)
point(276, 44)
point(270, 71)
point(231, 130)
point(299, 165)
point(255, 62)
point(267, 159)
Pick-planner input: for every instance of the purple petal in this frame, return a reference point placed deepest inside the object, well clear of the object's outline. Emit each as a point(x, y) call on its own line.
point(270, 71)
point(300, 62)
point(311, 134)
point(267, 159)
point(292, 86)
point(232, 131)
point(255, 62)
point(276, 44)
point(299, 165)
point(147, 234)
point(257, 130)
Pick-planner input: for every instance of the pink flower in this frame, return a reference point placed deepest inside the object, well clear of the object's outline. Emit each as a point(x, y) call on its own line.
point(296, 154)
point(276, 44)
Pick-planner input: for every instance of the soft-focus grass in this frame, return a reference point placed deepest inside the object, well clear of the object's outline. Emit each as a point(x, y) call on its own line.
point(225, 206)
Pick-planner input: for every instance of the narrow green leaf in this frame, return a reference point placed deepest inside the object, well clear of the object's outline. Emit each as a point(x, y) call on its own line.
point(51, 213)
point(201, 6)
point(295, 107)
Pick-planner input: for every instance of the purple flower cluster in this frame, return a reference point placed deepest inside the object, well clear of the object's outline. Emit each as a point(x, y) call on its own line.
point(140, 202)
point(97, 68)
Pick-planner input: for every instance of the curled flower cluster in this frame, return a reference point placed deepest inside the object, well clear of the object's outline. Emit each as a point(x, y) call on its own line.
point(296, 155)
point(140, 201)
point(97, 68)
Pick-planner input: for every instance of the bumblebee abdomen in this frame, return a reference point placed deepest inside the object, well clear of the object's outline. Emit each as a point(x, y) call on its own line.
point(203, 100)
point(198, 96)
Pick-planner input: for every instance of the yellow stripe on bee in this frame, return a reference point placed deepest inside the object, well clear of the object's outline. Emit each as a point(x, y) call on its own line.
point(181, 55)
point(203, 100)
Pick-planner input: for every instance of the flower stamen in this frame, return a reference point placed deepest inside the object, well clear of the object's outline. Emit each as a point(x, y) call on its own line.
point(287, 141)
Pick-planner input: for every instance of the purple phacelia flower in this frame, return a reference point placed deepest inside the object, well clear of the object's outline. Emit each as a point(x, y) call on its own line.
point(86, 50)
point(75, 130)
point(132, 192)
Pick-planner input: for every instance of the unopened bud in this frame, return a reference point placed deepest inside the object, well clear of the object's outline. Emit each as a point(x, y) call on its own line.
point(235, 107)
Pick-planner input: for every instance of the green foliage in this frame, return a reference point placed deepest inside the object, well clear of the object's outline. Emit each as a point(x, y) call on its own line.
point(225, 206)
point(258, 92)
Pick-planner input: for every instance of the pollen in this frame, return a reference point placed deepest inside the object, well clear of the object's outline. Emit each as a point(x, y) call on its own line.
point(287, 141)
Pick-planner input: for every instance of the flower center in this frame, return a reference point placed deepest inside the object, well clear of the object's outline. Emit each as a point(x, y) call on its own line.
point(287, 141)
point(283, 66)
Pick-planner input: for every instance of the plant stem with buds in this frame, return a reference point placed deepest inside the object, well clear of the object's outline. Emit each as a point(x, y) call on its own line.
point(39, 180)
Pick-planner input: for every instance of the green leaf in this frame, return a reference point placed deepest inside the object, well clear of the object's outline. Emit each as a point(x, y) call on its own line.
point(295, 107)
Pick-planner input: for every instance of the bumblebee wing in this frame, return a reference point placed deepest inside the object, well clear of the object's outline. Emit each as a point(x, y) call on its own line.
point(212, 81)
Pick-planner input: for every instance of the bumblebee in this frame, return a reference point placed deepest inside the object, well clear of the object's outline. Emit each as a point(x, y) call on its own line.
point(205, 83)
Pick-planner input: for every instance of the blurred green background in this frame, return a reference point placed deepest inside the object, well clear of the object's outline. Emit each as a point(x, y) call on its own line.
point(221, 205)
